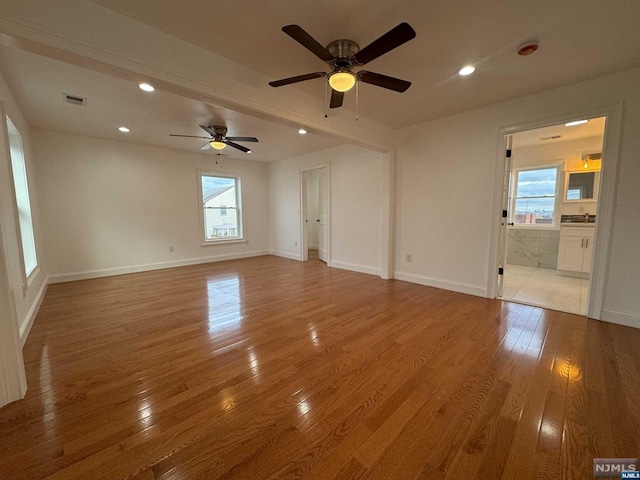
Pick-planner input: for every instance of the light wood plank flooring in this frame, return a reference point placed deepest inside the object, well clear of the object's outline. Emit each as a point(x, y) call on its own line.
point(268, 368)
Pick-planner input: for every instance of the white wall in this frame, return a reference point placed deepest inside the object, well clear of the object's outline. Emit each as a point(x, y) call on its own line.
point(20, 301)
point(571, 152)
point(446, 182)
point(355, 206)
point(112, 207)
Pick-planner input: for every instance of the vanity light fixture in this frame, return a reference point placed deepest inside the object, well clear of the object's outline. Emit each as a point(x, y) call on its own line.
point(576, 122)
point(467, 70)
point(146, 87)
point(585, 163)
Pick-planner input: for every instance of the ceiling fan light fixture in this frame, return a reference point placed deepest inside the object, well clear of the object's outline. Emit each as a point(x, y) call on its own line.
point(217, 145)
point(342, 81)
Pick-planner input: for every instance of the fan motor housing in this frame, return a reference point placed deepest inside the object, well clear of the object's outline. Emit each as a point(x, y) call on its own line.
point(343, 49)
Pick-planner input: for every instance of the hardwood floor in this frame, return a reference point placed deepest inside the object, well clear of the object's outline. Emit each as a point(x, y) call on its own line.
point(267, 368)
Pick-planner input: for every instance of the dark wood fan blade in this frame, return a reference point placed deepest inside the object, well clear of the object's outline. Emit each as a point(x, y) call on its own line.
point(387, 42)
point(206, 146)
point(336, 99)
point(307, 41)
point(242, 139)
point(239, 147)
point(190, 136)
point(209, 130)
point(299, 78)
point(383, 81)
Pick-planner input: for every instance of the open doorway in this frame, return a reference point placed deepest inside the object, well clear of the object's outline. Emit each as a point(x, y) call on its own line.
point(551, 195)
point(314, 213)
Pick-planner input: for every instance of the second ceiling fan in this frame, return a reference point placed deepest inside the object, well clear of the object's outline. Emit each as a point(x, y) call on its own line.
point(344, 55)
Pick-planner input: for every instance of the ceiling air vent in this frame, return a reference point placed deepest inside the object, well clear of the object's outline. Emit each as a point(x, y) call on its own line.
point(552, 137)
point(74, 99)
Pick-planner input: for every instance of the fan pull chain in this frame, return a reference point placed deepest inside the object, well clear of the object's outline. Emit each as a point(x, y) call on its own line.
point(357, 95)
point(326, 99)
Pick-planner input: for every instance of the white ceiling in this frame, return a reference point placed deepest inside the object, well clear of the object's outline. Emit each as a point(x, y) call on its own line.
point(39, 83)
point(594, 128)
point(579, 39)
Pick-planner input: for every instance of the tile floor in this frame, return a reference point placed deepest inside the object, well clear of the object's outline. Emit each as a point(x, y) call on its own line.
point(543, 287)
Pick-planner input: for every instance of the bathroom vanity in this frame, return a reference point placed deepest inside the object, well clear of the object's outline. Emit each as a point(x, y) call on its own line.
point(575, 250)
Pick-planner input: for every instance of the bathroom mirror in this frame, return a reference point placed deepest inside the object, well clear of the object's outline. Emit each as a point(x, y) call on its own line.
point(581, 186)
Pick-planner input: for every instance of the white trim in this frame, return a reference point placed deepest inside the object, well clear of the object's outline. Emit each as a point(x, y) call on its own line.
point(477, 290)
point(291, 256)
point(604, 213)
point(356, 268)
point(27, 323)
point(621, 318)
point(313, 247)
point(108, 272)
point(555, 224)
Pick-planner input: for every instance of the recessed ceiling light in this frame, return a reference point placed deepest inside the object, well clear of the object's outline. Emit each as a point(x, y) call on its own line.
point(576, 122)
point(146, 87)
point(302, 131)
point(124, 129)
point(468, 70)
point(248, 151)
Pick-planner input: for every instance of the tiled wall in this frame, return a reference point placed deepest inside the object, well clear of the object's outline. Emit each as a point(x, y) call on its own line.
point(533, 248)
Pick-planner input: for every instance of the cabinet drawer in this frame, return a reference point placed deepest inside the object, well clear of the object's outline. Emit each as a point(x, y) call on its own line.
point(584, 232)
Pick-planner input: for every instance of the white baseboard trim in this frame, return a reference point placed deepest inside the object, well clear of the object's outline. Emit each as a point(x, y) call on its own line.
point(291, 256)
point(621, 318)
point(470, 289)
point(108, 272)
point(27, 323)
point(314, 247)
point(355, 268)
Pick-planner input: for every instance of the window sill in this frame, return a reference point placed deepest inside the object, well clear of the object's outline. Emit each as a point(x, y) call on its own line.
point(224, 242)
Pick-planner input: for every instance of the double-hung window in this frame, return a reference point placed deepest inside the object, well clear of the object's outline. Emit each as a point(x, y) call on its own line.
point(535, 199)
point(23, 204)
point(221, 203)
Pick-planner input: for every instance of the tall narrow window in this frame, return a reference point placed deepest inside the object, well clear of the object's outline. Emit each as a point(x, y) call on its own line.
point(221, 207)
point(536, 196)
point(21, 185)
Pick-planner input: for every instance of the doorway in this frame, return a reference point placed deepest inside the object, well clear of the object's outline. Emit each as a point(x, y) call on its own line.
point(314, 213)
point(551, 186)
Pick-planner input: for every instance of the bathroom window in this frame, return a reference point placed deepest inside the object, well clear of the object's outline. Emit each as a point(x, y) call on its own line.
point(535, 197)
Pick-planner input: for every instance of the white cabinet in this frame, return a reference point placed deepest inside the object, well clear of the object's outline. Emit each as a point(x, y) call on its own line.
point(576, 249)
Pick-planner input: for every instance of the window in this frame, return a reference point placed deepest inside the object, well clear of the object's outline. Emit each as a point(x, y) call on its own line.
point(221, 207)
point(21, 186)
point(535, 198)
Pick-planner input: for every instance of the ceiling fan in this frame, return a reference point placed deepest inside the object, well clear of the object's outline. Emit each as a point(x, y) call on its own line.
point(343, 55)
point(218, 139)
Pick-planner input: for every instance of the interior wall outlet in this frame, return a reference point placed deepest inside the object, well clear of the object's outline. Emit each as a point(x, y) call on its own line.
point(295, 244)
point(408, 258)
point(170, 248)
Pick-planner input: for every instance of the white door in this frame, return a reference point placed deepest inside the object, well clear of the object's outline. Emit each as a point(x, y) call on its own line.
point(506, 207)
point(323, 220)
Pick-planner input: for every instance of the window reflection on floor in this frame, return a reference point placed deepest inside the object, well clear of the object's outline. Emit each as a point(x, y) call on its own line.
point(224, 303)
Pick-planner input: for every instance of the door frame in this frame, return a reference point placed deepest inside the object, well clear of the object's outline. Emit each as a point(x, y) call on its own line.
point(304, 240)
point(606, 197)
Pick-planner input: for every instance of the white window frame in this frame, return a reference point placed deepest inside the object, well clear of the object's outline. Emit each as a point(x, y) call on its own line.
point(558, 194)
point(238, 180)
point(28, 273)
